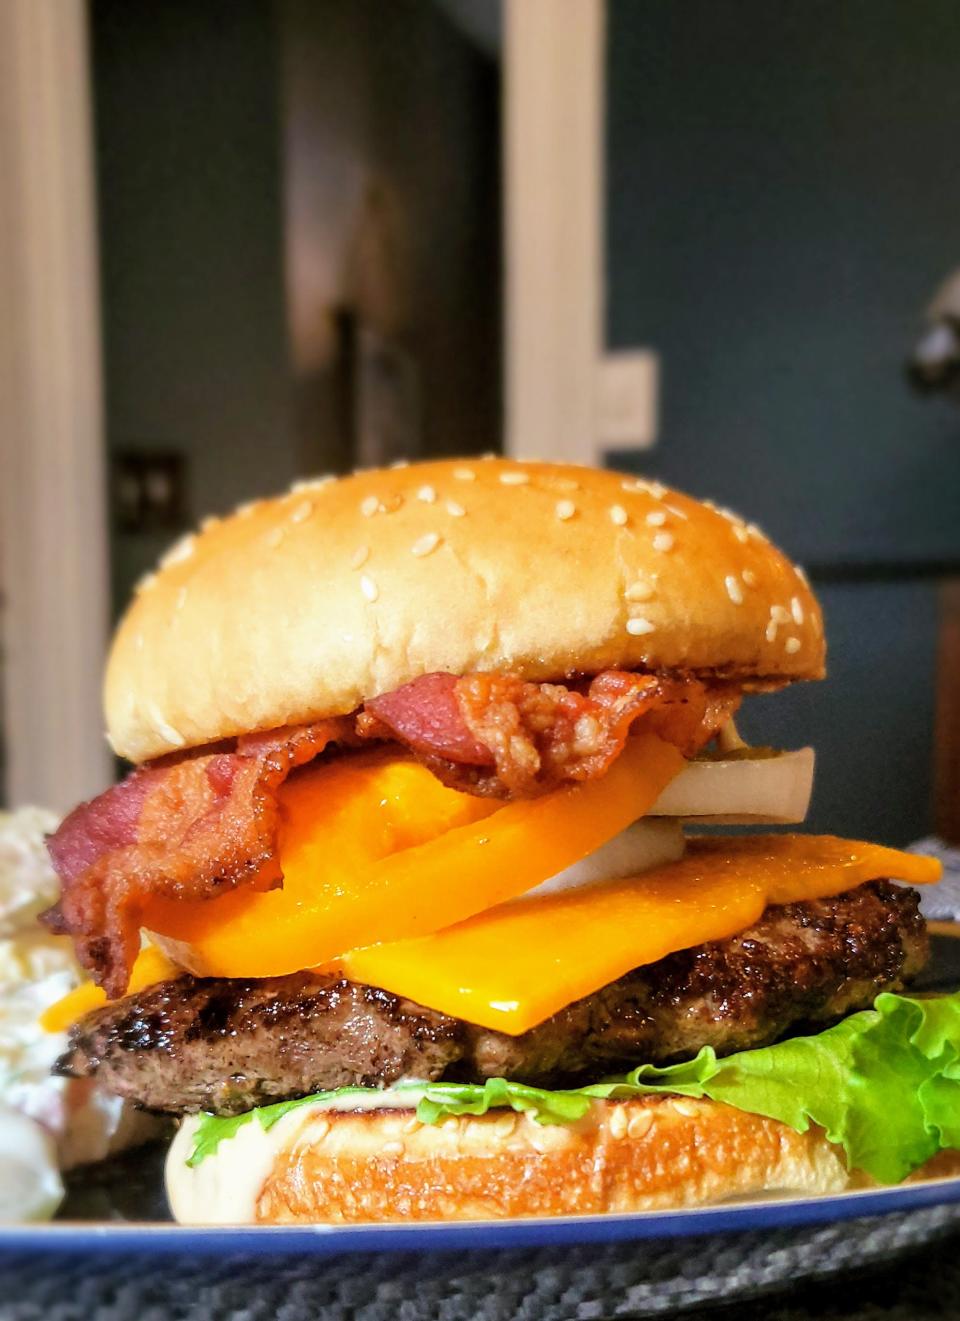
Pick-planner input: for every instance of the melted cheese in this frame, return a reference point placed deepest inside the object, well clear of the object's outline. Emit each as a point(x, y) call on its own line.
point(517, 964)
point(152, 966)
point(374, 848)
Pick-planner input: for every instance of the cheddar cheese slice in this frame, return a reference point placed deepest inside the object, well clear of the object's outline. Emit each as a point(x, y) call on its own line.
point(513, 966)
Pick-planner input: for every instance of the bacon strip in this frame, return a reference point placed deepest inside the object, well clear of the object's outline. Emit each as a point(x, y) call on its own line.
point(427, 717)
point(194, 825)
point(542, 735)
point(185, 827)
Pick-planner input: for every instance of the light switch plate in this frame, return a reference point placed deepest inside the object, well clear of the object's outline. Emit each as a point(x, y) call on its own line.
point(628, 389)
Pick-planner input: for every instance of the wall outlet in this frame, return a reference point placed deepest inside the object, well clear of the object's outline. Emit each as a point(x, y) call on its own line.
point(628, 389)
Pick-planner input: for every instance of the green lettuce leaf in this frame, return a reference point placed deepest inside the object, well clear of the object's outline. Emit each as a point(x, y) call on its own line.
point(884, 1084)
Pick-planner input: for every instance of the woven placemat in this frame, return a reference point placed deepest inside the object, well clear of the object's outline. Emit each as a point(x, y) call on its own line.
point(640, 1279)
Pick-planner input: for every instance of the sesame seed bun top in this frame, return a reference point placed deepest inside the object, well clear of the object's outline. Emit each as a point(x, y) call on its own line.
point(305, 605)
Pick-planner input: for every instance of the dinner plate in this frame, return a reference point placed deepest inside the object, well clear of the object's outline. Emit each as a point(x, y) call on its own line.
point(533, 1232)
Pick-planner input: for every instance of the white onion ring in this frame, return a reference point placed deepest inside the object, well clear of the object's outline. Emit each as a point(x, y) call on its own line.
point(741, 791)
point(641, 846)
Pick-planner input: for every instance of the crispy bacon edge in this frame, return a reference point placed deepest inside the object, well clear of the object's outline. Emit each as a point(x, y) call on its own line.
point(185, 827)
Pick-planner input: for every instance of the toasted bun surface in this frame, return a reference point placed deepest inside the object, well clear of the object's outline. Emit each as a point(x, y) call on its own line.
point(641, 1155)
point(306, 605)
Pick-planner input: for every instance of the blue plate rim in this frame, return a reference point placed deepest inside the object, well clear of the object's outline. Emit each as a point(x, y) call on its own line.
point(330, 1240)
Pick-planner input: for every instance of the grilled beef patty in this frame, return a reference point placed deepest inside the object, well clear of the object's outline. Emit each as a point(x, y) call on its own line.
point(227, 1045)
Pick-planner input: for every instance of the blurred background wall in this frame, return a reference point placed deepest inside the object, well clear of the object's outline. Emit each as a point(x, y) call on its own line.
point(294, 197)
point(781, 201)
point(189, 166)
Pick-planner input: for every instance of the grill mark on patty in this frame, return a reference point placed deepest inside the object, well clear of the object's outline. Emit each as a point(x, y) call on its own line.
point(227, 1045)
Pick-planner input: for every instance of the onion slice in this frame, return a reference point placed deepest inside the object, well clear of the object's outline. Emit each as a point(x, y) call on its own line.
point(641, 846)
point(742, 790)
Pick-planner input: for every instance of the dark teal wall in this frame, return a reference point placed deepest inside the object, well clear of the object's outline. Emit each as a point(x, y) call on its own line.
point(783, 196)
point(871, 721)
point(191, 225)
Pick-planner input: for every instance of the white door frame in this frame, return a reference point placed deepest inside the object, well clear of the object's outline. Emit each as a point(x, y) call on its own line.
point(53, 530)
point(553, 229)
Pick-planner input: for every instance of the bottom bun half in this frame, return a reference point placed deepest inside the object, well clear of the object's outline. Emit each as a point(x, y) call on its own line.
point(653, 1153)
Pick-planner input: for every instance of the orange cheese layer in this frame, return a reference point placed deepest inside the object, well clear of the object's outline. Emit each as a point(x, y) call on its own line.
point(513, 966)
point(151, 967)
point(374, 848)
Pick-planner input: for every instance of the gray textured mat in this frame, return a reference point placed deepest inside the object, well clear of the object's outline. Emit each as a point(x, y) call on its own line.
point(619, 1280)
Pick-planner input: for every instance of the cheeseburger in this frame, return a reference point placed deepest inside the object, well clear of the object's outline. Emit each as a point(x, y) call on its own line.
point(407, 909)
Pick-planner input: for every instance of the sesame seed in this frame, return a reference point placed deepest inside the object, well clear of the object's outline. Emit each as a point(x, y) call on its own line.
point(663, 541)
point(734, 590)
point(639, 591)
point(312, 484)
point(729, 515)
point(390, 504)
point(209, 523)
point(796, 609)
point(455, 510)
point(772, 631)
point(369, 588)
point(740, 533)
point(801, 574)
point(427, 494)
point(618, 515)
point(274, 537)
point(369, 506)
point(780, 614)
point(164, 728)
point(400, 463)
point(657, 518)
point(792, 645)
point(640, 1124)
point(749, 577)
point(618, 1123)
point(565, 509)
point(180, 550)
point(145, 583)
point(302, 511)
point(677, 511)
point(639, 626)
point(244, 511)
point(639, 485)
point(359, 557)
point(425, 544)
point(754, 531)
point(514, 478)
point(464, 475)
